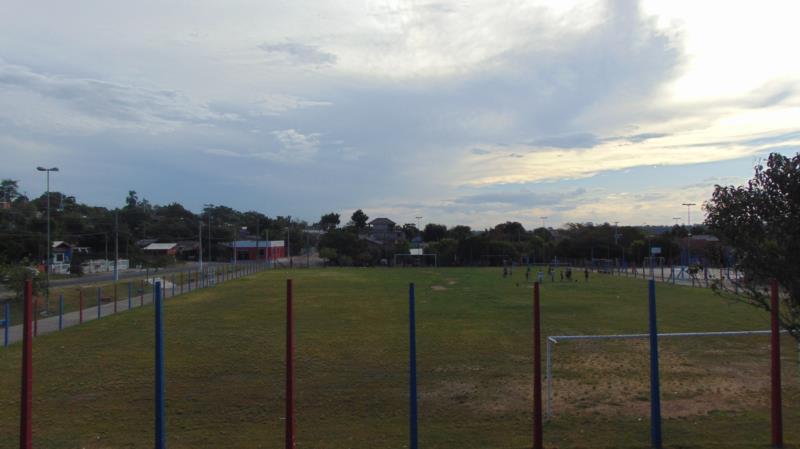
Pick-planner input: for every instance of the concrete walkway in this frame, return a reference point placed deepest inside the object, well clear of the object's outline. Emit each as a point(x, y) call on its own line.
point(50, 324)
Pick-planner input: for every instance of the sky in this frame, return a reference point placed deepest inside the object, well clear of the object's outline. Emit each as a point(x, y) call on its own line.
point(458, 112)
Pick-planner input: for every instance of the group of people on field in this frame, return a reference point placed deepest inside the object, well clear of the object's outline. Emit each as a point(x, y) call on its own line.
point(551, 273)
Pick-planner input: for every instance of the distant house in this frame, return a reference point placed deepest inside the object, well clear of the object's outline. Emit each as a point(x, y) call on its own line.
point(143, 243)
point(385, 231)
point(188, 249)
point(161, 249)
point(61, 252)
point(258, 249)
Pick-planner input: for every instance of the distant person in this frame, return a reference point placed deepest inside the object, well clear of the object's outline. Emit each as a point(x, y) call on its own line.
point(585, 275)
point(528, 274)
point(540, 276)
point(505, 271)
point(561, 272)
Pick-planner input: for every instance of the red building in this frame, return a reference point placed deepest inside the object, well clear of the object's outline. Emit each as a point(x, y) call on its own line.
point(258, 250)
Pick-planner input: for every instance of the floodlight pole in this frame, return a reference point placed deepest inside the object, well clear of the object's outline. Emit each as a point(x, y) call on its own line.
point(689, 226)
point(47, 263)
point(116, 245)
point(200, 241)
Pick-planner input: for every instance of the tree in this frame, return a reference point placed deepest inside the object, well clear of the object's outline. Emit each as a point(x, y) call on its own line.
point(434, 232)
point(359, 220)
point(329, 222)
point(759, 221)
point(459, 232)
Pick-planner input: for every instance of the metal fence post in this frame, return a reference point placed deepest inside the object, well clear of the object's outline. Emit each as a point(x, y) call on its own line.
point(413, 433)
point(776, 415)
point(61, 311)
point(6, 322)
point(26, 390)
point(160, 409)
point(655, 387)
point(290, 423)
point(537, 370)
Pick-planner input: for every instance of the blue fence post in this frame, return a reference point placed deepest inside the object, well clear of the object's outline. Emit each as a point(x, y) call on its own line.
point(160, 411)
point(129, 296)
point(6, 322)
point(412, 375)
point(99, 300)
point(655, 388)
point(61, 311)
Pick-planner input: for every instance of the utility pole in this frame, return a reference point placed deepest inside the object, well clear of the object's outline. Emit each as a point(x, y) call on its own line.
point(47, 264)
point(200, 241)
point(689, 226)
point(116, 245)
point(235, 238)
point(544, 252)
point(289, 240)
point(208, 211)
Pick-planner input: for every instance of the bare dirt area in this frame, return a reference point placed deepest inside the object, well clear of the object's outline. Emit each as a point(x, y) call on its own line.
point(613, 379)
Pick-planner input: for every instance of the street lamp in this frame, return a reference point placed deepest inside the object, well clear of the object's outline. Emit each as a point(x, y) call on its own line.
point(689, 226)
point(209, 207)
point(289, 240)
point(47, 264)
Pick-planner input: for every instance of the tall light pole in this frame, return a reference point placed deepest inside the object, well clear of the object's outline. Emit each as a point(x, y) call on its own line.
point(208, 208)
point(689, 226)
point(289, 240)
point(544, 253)
point(47, 264)
point(200, 242)
point(116, 245)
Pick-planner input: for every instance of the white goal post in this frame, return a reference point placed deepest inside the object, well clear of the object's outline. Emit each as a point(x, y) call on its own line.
point(419, 256)
point(551, 342)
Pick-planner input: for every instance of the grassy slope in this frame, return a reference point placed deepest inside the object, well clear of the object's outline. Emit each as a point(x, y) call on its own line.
point(225, 365)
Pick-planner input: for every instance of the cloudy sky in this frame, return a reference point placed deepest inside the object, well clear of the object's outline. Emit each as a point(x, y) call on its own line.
point(470, 112)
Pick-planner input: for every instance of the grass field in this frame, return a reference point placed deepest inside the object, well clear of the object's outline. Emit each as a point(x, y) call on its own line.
point(225, 359)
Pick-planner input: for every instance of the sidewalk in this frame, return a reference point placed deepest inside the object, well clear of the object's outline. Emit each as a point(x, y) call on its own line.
point(50, 324)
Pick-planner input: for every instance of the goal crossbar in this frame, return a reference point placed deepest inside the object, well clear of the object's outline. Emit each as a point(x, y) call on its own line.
point(552, 340)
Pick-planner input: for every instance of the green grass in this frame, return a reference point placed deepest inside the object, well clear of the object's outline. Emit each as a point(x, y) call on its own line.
point(225, 359)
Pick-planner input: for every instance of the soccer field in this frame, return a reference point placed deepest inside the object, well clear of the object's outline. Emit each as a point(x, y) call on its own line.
point(93, 384)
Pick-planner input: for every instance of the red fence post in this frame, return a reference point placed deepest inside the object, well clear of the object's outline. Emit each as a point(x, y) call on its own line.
point(290, 424)
point(26, 402)
point(776, 415)
point(537, 370)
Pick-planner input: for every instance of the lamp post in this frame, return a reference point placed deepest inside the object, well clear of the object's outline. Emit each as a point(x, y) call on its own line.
point(47, 264)
point(289, 240)
point(200, 243)
point(689, 226)
point(116, 245)
point(544, 253)
point(208, 211)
